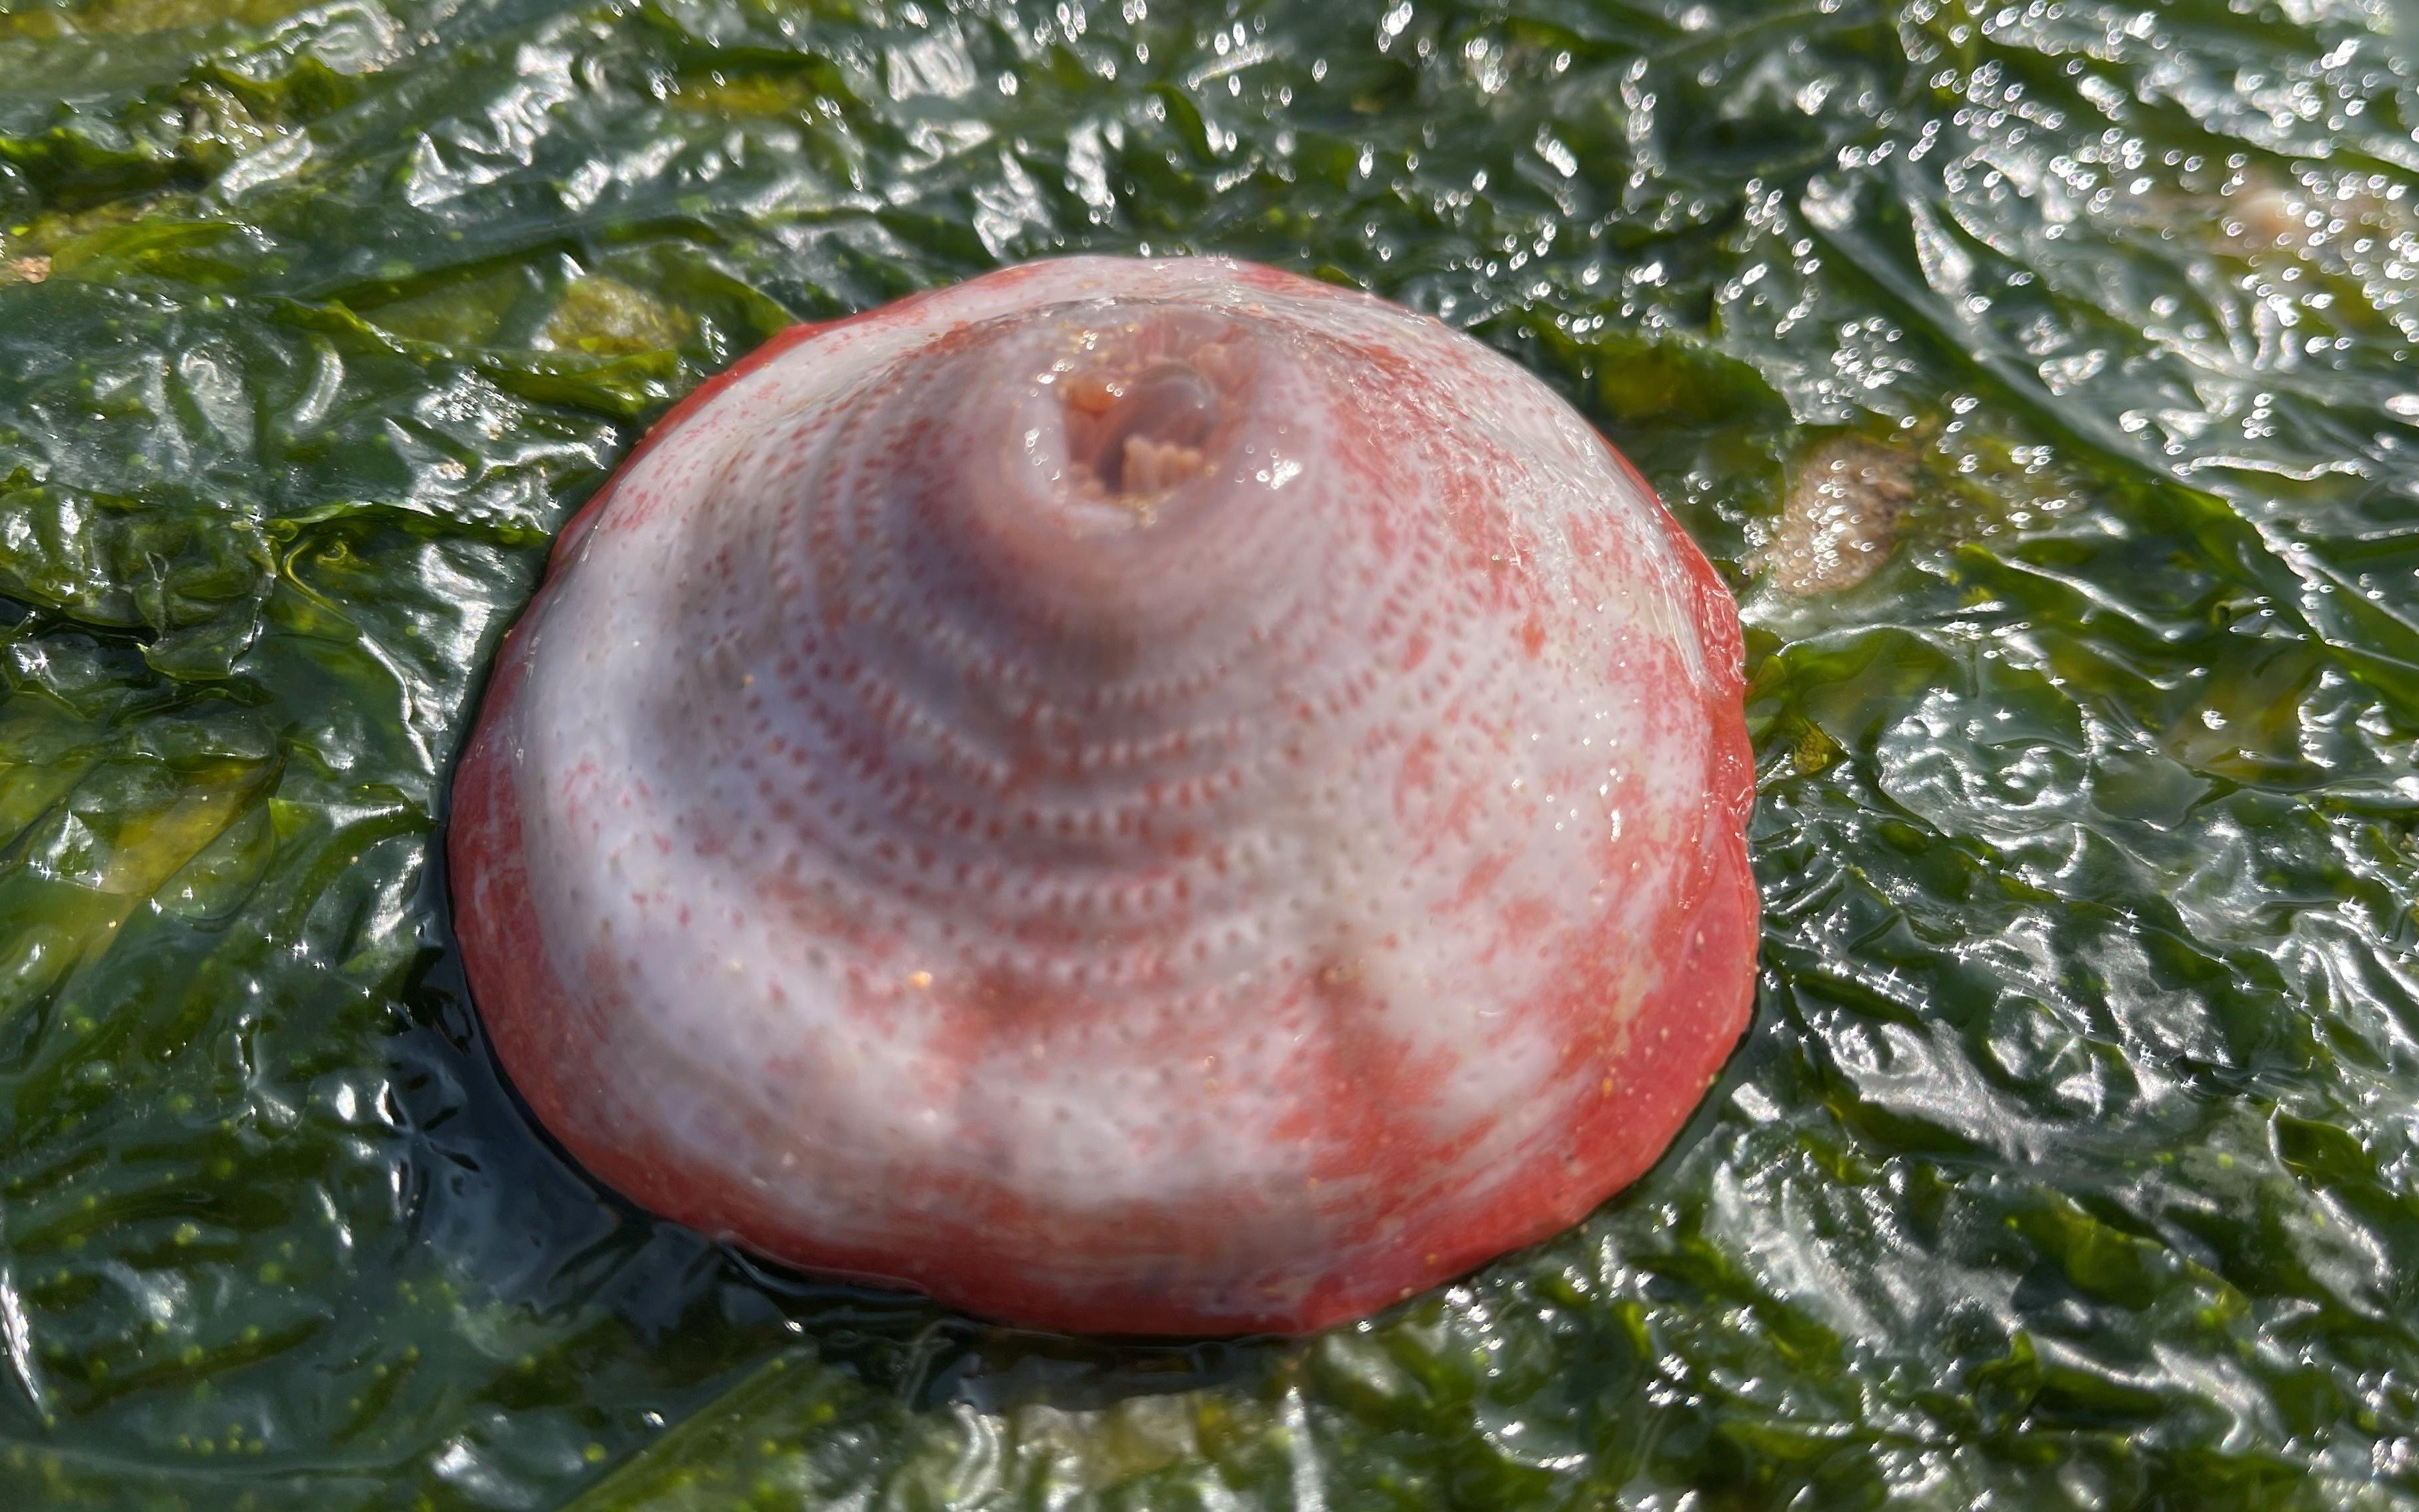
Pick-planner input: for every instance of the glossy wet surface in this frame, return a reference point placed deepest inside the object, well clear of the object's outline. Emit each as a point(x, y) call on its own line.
point(2070, 1158)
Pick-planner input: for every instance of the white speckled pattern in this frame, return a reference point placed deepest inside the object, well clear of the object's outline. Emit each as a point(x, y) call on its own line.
point(1223, 904)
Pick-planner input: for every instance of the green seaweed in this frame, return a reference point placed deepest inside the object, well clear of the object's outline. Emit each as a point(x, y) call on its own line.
point(2072, 1160)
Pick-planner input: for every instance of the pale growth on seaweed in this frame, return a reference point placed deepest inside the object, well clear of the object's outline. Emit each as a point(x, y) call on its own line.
point(1840, 521)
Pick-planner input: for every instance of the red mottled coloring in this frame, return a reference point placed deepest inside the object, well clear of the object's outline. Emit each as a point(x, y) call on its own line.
point(1150, 797)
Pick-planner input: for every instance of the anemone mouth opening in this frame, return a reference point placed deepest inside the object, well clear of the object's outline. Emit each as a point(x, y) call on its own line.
point(1145, 410)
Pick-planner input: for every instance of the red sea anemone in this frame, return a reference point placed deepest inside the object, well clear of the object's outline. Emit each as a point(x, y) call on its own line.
point(1132, 796)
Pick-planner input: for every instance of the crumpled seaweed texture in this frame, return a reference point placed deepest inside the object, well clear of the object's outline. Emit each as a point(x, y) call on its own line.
point(2071, 1159)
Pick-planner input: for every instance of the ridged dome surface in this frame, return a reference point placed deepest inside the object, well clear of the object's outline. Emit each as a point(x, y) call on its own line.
point(1139, 796)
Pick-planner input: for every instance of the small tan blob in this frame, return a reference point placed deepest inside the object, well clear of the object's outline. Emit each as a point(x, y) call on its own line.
point(1841, 520)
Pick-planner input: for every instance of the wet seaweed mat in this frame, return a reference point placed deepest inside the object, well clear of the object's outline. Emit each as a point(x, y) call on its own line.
point(2042, 376)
